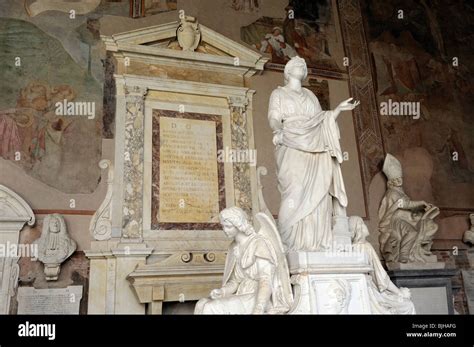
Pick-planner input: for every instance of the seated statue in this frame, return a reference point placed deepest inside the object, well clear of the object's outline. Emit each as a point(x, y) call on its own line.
point(385, 297)
point(256, 277)
point(406, 227)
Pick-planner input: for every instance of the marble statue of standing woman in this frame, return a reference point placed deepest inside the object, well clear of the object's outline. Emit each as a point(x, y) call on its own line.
point(308, 157)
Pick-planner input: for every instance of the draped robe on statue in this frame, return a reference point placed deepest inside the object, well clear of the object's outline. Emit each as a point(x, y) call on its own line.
point(382, 300)
point(308, 156)
point(245, 267)
point(397, 234)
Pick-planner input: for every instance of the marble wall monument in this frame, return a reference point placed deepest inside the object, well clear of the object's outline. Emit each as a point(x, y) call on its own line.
point(15, 213)
point(181, 101)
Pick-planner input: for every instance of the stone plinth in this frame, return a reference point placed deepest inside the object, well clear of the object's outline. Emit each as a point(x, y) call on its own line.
point(431, 289)
point(329, 283)
point(432, 263)
point(180, 278)
point(468, 282)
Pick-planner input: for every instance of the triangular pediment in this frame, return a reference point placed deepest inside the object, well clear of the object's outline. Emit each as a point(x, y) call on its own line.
point(173, 43)
point(162, 41)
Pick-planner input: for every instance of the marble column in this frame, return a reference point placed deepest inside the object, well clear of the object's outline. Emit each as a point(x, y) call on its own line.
point(118, 224)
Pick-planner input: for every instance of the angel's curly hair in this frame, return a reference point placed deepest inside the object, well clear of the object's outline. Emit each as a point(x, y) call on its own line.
point(238, 218)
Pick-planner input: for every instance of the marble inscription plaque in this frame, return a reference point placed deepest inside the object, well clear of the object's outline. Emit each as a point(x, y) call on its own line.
point(468, 280)
point(49, 301)
point(189, 187)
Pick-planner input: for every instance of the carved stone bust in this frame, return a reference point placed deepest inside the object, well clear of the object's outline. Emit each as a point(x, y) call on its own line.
point(54, 245)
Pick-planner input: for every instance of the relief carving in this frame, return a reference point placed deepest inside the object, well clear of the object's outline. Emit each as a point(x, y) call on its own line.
point(133, 162)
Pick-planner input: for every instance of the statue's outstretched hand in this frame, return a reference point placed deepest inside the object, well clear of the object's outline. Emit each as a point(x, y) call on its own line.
point(217, 293)
point(347, 105)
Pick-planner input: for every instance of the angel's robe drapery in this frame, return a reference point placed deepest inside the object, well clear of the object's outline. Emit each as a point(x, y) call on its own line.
point(245, 266)
point(382, 300)
point(308, 157)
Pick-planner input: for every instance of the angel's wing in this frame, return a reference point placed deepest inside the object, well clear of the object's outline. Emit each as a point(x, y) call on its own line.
point(269, 231)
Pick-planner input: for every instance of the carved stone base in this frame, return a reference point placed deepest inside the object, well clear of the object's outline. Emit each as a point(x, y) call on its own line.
point(327, 283)
point(431, 263)
point(110, 263)
point(470, 257)
point(184, 276)
point(51, 271)
point(431, 289)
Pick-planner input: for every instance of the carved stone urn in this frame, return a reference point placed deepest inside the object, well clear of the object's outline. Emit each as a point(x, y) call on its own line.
point(188, 33)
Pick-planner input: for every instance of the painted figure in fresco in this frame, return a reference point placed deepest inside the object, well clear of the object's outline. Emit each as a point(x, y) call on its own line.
point(275, 44)
point(245, 5)
point(385, 297)
point(309, 157)
point(10, 142)
point(406, 227)
point(256, 277)
point(32, 127)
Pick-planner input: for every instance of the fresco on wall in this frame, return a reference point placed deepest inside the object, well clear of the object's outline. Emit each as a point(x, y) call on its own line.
point(157, 6)
point(413, 62)
point(246, 6)
point(307, 30)
point(35, 7)
point(143, 8)
point(321, 90)
point(60, 58)
point(79, 35)
point(59, 148)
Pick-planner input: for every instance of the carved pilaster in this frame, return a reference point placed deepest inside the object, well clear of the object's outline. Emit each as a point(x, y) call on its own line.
point(240, 141)
point(366, 118)
point(14, 214)
point(132, 209)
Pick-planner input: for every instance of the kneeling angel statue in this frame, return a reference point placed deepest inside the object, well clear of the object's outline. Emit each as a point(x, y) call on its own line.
point(256, 277)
